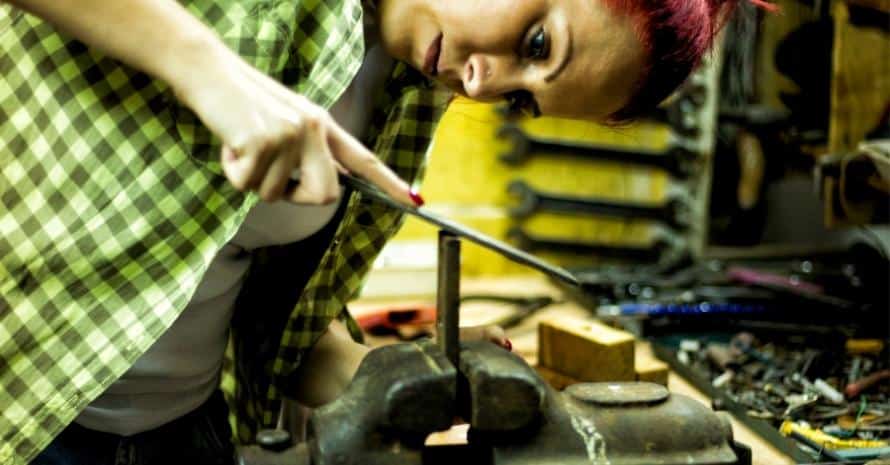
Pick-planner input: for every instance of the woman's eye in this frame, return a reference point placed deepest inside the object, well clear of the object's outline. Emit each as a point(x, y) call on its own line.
point(538, 46)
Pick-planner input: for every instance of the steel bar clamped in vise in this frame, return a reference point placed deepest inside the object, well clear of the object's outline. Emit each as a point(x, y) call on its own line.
point(448, 296)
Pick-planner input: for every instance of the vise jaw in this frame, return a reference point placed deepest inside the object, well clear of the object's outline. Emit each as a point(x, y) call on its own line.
point(402, 393)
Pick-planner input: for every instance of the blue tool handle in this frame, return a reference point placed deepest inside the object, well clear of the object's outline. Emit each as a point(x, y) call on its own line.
point(661, 309)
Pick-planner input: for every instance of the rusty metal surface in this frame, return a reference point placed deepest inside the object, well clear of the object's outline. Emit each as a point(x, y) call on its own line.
point(503, 393)
point(618, 393)
point(400, 394)
point(448, 297)
point(404, 392)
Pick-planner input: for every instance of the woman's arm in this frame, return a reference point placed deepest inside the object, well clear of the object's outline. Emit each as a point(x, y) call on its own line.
point(267, 130)
point(330, 366)
point(158, 37)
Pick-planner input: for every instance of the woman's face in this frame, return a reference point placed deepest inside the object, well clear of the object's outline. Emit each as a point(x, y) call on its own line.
point(573, 58)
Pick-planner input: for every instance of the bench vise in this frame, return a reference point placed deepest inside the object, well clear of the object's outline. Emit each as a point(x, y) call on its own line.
point(403, 393)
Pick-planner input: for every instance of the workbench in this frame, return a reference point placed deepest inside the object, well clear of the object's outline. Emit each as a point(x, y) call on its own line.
point(524, 337)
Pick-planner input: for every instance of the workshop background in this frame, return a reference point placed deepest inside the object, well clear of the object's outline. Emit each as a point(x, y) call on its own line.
point(733, 245)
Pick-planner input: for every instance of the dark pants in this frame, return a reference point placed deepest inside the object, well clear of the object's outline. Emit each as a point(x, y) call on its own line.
point(200, 437)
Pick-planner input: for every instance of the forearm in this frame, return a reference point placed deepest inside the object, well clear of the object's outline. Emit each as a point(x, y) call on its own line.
point(158, 37)
point(330, 366)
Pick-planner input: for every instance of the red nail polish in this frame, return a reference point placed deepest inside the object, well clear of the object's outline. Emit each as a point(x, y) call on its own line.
point(508, 345)
point(416, 198)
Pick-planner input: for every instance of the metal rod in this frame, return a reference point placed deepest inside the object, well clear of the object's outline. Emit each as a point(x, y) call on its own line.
point(460, 230)
point(448, 296)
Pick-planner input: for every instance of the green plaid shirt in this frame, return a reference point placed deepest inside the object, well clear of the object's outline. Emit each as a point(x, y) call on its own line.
point(113, 203)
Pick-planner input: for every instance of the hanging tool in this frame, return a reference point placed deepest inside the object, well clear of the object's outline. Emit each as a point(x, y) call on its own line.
point(672, 213)
point(676, 160)
point(527, 241)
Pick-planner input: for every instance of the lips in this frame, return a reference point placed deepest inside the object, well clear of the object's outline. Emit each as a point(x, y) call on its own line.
point(431, 60)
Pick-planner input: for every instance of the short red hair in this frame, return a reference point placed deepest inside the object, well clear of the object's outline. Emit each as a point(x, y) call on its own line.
point(675, 34)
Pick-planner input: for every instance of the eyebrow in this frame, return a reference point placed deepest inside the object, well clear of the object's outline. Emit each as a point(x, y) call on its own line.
point(565, 58)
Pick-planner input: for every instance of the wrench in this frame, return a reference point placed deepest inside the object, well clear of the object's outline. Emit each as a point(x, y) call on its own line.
point(530, 242)
point(676, 160)
point(680, 114)
point(672, 213)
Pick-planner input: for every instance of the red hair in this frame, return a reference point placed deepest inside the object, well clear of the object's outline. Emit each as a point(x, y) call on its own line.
point(675, 35)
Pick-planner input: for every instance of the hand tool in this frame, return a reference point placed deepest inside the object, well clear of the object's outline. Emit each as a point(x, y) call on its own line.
point(676, 160)
point(676, 309)
point(672, 213)
point(680, 114)
point(368, 190)
point(388, 320)
point(854, 389)
point(525, 306)
point(531, 242)
point(791, 430)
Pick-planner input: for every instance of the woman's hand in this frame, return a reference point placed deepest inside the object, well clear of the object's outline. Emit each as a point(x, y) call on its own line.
point(491, 333)
point(269, 131)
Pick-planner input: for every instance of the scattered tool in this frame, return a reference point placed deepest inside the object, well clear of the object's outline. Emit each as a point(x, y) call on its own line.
point(408, 321)
point(527, 241)
point(676, 160)
point(672, 213)
point(856, 388)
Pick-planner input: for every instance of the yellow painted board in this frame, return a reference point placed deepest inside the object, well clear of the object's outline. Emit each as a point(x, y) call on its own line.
point(464, 168)
point(860, 81)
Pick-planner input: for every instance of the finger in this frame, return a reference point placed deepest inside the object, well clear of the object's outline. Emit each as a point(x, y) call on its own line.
point(360, 161)
point(318, 176)
point(275, 184)
point(496, 335)
point(318, 184)
point(340, 168)
point(259, 164)
point(234, 168)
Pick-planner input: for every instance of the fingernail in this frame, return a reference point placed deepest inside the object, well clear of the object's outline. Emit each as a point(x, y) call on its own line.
point(416, 198)
point(508, 345)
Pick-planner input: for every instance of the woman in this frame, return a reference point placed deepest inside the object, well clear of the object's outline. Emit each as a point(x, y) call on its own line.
point(131, 242)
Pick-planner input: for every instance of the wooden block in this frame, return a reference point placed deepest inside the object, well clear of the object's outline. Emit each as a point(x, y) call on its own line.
point(558, 381)
point(586, 350)
point(651, 370)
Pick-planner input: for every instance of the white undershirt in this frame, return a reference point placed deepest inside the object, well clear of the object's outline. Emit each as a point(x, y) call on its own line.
point(180, 371)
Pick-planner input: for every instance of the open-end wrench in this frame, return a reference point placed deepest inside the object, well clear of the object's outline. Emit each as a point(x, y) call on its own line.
point(680, 113)
point(676, 160)
point(672, 213)
point(530, 242)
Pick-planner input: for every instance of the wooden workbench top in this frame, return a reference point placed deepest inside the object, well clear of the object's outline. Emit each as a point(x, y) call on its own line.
point(525, 339)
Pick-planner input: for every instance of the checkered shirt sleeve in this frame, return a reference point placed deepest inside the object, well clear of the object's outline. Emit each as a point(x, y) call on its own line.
point(112, 201)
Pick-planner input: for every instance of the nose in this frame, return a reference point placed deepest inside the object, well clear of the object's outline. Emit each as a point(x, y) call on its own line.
point(488, 77)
